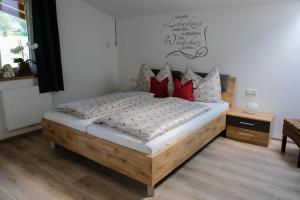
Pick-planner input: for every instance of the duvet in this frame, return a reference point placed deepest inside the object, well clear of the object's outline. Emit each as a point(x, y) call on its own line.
point(153, 118)
point(107, 104)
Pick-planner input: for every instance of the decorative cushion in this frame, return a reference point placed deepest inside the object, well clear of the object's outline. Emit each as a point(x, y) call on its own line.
point(159, 88)
point(164, 73)
point(143, 83)
point(190, 75)
point(210, 89)
point(184, 91)
point(223, 77)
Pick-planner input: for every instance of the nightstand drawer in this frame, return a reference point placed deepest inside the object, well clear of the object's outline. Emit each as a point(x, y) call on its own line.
point(251, 124)
point(246, 135)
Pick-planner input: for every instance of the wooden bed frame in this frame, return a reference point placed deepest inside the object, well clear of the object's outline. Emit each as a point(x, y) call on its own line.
point(147, 169)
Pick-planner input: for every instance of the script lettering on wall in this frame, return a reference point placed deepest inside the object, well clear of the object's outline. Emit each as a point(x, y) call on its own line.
point(185, 36)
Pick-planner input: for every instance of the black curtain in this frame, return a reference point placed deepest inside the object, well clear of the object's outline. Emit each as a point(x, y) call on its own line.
point(47, 55)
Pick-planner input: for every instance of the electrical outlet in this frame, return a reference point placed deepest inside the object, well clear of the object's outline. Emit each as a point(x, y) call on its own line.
point(251, 92)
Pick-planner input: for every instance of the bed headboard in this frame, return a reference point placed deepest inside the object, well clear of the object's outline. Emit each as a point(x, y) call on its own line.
point(227, 83)
point(229, 94)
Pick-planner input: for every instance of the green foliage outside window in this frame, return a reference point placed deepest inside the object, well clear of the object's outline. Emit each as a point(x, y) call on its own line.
point(12, 26)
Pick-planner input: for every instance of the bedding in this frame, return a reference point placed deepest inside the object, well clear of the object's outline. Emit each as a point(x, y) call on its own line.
point(144, 77)
point(190, 75)
point(170, 137)
point(165, 72)
point(69, 120)
point(184, 91)
point(99, 106)
point(210, 89)
point(179, 75)
point(145, 74)
point(159, 88)
point(153, 118)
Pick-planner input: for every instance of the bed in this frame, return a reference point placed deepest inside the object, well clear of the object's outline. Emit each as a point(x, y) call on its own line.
point(147, 163)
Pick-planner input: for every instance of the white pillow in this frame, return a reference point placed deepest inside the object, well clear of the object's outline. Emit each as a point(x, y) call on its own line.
point(144, 78)
point(190, 75)
point(143, 82)
point(210, 89)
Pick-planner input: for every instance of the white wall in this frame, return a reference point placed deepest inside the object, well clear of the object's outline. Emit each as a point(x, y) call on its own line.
point(89, 56)
point(260, 45)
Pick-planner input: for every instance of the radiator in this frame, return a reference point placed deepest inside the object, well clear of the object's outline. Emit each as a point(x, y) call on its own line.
point(25, 106)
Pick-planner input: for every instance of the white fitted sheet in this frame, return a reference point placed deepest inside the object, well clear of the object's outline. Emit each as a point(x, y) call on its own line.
point(161, 142)
point(69, 120)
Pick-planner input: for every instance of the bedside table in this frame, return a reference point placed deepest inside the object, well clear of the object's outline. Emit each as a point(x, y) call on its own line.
point(251, 128)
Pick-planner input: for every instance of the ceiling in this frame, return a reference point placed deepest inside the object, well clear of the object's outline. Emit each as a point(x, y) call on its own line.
point(131, 8)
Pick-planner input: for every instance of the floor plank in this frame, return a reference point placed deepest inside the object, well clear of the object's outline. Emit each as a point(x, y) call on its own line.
point(225, 169)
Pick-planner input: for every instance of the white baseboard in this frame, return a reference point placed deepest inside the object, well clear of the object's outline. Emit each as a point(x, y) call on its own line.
point(9, 134)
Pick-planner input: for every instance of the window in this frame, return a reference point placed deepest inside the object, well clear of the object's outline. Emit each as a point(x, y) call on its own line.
point(13, 31)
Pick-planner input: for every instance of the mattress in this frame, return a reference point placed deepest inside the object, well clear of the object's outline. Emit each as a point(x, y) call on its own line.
point(69, 120)
point(161, 142)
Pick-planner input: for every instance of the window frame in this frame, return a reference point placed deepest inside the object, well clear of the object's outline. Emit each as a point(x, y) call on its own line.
point(14, 9)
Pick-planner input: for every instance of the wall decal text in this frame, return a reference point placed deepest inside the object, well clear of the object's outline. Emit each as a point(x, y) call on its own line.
point(185, 36)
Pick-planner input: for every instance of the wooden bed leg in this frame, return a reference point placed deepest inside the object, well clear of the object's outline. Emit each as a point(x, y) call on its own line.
point(150, 191)
point(223, 133)
point(299, 159)
point(283, 143)
point(52, 145)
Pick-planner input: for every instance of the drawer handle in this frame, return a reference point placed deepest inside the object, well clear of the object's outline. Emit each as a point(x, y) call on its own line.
point(246, 123)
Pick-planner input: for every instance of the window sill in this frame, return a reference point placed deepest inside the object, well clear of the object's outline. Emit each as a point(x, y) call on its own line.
point(17, 77)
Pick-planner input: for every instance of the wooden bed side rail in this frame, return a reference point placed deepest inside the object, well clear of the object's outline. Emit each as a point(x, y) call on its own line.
point(166, 161)
point(116, 157)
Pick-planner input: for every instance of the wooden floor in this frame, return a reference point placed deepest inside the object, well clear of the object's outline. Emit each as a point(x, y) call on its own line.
point(225, 169)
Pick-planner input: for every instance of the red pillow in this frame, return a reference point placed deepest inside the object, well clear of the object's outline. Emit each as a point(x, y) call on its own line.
point(183, 91)
point(159, 88)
